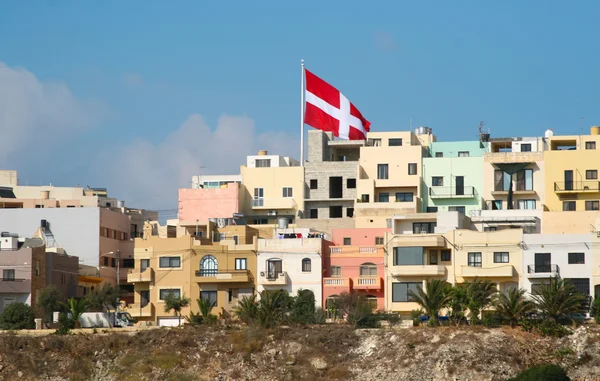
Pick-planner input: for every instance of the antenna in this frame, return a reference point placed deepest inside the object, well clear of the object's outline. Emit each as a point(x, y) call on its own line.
point(410, 124)
point(483, 137)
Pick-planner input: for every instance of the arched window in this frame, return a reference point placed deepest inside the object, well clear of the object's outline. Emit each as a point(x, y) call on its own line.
point(306, 265)
point(368, 269)
point(209, 266)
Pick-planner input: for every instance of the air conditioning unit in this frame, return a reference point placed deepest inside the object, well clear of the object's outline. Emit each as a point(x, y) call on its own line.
point(262, 273)
point(423, 231)
point(272, 213)
point(281, 275)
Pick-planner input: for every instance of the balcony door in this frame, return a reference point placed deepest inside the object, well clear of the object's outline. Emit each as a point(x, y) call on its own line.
point(144, 264)
point(144, 298)
point(542, 263)
point(569, 180)
point(274, 267)
point(460, 185)
point(259, 194)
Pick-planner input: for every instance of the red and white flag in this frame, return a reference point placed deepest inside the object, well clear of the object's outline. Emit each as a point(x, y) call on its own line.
point(329, 110)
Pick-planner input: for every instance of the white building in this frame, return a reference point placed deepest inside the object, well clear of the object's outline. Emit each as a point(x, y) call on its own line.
point(291, 264)
point(566, 256)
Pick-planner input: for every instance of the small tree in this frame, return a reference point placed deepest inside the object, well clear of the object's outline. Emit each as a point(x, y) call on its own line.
point(558, 299)
point(205, 306)
point(458, 303)
point(50, 300)
point(513, 306)
point(105, 298)
point(176, 303)
point(17, 316)
point(77, 307)
point(435, 297)
point(356, 308)
point(272, 308)
point(303, 309)
point(247, 310)
point(480, 295)
point(595, 311)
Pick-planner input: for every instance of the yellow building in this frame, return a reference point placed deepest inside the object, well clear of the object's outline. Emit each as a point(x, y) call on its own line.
point(572, 165)
point(389, 176)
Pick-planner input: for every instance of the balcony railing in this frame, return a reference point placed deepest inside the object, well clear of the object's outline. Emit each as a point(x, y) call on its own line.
point(542, 270)
point(452, 192)
point(214, 276)
point(139, 276)
point(357, 250)
point(367, 283)
point(336, 282)
point(274, 278)
point(15, 285)
point(577, 186)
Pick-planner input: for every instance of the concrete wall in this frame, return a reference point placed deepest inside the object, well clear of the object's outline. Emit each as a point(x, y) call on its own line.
point(62, 271)
point(202, 204)
point(8, 178)
point(358, 236)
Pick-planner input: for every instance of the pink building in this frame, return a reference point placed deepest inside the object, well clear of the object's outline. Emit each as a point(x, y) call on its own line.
point(204, 203)
point(355, 264)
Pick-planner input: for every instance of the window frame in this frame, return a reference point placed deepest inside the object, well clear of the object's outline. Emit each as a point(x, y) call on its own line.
point(403, 197)
point(592, 205)
point(528, 145)
point(395, 141)
point(379, 241)
point(205, 270)
point(169, 259)
point(406, 297)
point(472, 259)
point(351, 183)
point(593, 172)
point(161, 290)
point(314, 184)
point(347, 241)
point(287, 192)
point(569, 203)
point(210, 292)
point(412, 167)
point(574, 261)
point(306, 265)
point(241, 263)
point(464, 154)
point(336, 271)
point(590, 145)
point(11, 274)
point(262, 161)
point(383, 171)
point(437, 181)
point(386, 197)
point(367, 269)
point(501, 257)
point(446, 255)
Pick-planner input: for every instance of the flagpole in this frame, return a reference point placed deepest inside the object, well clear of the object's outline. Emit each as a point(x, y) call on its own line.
point(302, 114)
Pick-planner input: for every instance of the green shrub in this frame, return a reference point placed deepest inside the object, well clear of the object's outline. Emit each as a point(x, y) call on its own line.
point(17, 316)
point(65, 324)
point(543, 372)
point(491, 320)
point(416, 315)
point(320, 316)
point(194, 318)
point(549, 327)
point(303, 308)
point(595, 312)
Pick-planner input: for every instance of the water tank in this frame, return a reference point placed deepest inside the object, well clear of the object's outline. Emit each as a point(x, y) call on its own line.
point(422, 130)
point(282, 223)
point(595, 130)
point(45, 195)
point(120, 204)
point(549, 133)
point(262, 152)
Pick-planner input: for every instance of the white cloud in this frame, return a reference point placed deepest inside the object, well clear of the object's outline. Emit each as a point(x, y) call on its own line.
point(148, 175)
point(133, 80)
point(385, 41)
point(35, 114)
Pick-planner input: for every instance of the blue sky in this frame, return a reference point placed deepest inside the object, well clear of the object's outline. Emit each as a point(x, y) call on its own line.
point(152, 87)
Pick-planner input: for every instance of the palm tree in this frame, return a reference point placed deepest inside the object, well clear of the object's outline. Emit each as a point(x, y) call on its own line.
point(436, 296)
point(270, 308)
point(77, 307)
point(558, 299)
point(458, 303)
point(205, 306)
point(247, 309)
point(513, 306)
point(480, 295)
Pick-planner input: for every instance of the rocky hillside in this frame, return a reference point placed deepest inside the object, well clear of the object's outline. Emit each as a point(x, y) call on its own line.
point(314, 353)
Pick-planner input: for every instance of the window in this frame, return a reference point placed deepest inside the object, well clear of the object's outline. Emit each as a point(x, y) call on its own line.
point(404, 197)
point(259, 221)
point(38, 267)
point(378, 240)
point(350, 183)
point(382, 171)
point(501, 257)
point(314, 213)
point(209, 266)
point(576, 258)
point(437, 181)
point(433, 257)
point(526, 147)
point(349, 212)
point(474, 259)
point(384, 197)
point(496, 205)
point(335, 211)
point(526, 204)
point(412, 168)
point(314, 184)
point(463, 153)
point(169, 262)
point(501, 180)
point(400, 291)
point(162, 295)
point(375, 142)
point(8, 274)
point(424, 227)
point(445, 256)
point(364, 198)
point(263, 163)
point(259, 194)
point(591, 205)
point(569, 206)
point(490, 228)
point(368, 269)
point(306, 265)
point(128, 263)
point(591, 174)
point(439, 154)
point(288, 192)
point(105, 261)
point(582, 285)
point(460, 209)
point(113, 262)
point(63, 279)
point(590, 145)
point(236, 239)
point(336, 271)
point(524, 180)
point(241, 264)
point(395, 142)
point(347, 241)
point(432, 209)
point(144, 264)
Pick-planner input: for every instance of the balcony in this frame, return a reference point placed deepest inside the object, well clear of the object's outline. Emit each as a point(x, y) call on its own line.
point(451, 192)
point(224, 276)
point(343, 284)
point(268, 278)
point(367, 283)
point(15, 285)
point(499, 191)
point(505, 271)
point(542, 271)
point(422, 239)
point(357, 250)
point(136, 310)
point(138, 276)
point(573, 187)
point(418, 270)
point(273, 203)
point(513, 157)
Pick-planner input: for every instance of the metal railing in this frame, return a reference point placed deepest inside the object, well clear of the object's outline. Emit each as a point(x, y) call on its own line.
point(536, 269)
point(577, 186)
point(451, 191)
point(211, 272)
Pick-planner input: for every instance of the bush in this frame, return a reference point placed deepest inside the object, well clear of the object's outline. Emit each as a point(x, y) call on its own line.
point(549, 327)
point(320, 316)
point(595, 311)
point(491, 320)
point(65, 324)
point(17, 316)
point(303, 308)
point(543, 372)
point(416, 315)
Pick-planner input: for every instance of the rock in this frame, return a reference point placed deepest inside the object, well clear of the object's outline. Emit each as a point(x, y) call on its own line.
point(294, 347)
point(272, 352)
point(20, 374)
point(291, 360)
point(435, 339)
point(95, 353)
point(318, 363)
point(1, 367)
